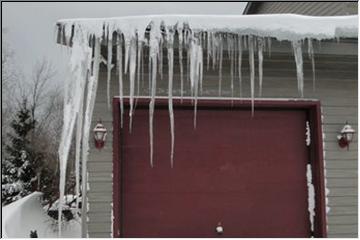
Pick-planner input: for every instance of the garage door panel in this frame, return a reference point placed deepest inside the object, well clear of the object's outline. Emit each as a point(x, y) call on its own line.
point(247, 173)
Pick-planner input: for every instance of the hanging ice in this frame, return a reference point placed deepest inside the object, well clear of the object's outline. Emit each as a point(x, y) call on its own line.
point(153, 54)
point(109, 67)
point(132, 79)
point(299, 66)
point(252, 71)
point(240, 63)
point(220, 62)
point(260, 59)
point(311, 56)
point(181, 64)
point(170, 49)
point(196, 68)
point(120, 72)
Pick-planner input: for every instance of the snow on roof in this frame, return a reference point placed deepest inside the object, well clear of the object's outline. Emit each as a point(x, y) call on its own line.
point(280, 26)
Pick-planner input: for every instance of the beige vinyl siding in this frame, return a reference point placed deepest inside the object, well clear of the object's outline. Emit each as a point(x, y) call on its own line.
point(336, 87)
point(306, 8)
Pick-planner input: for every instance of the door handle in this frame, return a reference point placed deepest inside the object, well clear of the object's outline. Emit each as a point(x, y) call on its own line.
point(219, 229)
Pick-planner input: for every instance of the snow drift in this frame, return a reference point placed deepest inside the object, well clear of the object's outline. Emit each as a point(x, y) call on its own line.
point(27, 214)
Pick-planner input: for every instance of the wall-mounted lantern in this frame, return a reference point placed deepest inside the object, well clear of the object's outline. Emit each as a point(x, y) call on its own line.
point(346, 136)
point(99, 135)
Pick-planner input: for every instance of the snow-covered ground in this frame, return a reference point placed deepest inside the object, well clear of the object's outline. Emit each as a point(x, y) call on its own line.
point(27, 214)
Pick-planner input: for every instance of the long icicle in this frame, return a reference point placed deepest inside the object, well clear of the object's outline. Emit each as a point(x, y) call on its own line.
point(196, 68)
point(220, 63)
point(231, 56)
point(132, 79)
point(260, 62)
point(311, 56)
point(109, 68)
point(79, 131)
point(153, 51)
point(240, 63)
point(170, 55)
point(299, 66)
point(138, 70)
point(90, 102)
point(181, 65)
point(252, 71)
point(75, 87)
point(120, 72)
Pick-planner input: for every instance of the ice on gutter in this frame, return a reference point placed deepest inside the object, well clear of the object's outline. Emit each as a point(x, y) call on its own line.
point(193, 34)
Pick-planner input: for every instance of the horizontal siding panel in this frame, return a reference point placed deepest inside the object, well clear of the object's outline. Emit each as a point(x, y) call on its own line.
point(339, 228)
point(343, 201)
point(348, 219)
point(99, 196)
point(100, 207)
point(342, 173)
point(338, 192)
point(341, 164)
point(99, 235)
point(104, 227)
point(342, 182)
point(100, 186)
point(99, 166)
point(343, 235)
point(343, 210)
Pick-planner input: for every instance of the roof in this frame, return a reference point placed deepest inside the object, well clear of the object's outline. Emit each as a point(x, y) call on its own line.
point(280, 26)
point(249, 9)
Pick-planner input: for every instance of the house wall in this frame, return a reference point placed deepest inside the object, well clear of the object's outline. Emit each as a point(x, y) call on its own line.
point(306, 8)
point(336, 87)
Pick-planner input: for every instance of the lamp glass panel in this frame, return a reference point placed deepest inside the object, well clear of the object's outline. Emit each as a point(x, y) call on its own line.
point(99, 135)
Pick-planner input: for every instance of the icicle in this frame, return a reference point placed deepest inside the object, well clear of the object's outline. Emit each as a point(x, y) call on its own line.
point(214, 45)
point(109, 67)
point(78, 151)
point(127, 56)
point(132, 79)
point(208, 49)
point(311, 196)
point(120, 72)
point(196, 68)
point(239, 64)
point(260, 57)
point(90, 102)
point(181, 64)
point(220, 64)
point(200, 70)
point(246, 39)
point(153, 52)
point(231, 56)
point(188, 69)
point(139, 56)
point(170, 51)
point(311, 57)
point(252, 70)
point(74, 91)
point(160, 57)
point(269, 45)
point(299, 66)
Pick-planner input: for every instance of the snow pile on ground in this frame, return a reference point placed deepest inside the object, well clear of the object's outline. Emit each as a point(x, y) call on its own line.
point(27, 214)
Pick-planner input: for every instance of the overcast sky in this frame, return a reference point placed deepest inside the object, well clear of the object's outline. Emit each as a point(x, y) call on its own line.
point(30, 26)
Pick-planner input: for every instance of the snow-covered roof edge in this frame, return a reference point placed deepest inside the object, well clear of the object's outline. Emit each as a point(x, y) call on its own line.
point(280, 26)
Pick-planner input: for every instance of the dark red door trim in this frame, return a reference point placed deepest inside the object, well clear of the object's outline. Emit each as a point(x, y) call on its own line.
point(316, 148)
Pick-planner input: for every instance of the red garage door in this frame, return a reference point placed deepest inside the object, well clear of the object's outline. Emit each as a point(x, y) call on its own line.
point(246, 174)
